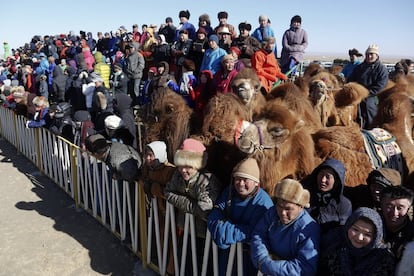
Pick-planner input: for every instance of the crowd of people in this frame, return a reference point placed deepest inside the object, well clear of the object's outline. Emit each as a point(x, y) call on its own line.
point(305, 228)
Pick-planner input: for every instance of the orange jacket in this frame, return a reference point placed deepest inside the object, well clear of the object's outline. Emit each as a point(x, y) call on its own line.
point(267, 68)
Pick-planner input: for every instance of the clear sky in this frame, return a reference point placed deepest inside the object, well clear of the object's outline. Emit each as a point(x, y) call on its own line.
point(333, 26)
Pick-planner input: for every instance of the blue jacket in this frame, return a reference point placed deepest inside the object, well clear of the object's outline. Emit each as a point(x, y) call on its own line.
point(232, 219)
point(212, 60)
point(41, 120)
point(268, 32)
point(296, 245)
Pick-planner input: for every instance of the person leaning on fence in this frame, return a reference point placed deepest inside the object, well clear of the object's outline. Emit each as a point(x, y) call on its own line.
point(237, 211)
point(42, 117)
point(123, 161)
point(192, 189)
point(285, 240)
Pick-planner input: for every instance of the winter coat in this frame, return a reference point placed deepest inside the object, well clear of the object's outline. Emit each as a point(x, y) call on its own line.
point(212, 60)
point(122, 107)
point(160, 81)
point(124, 162)
point(120, 83)
point(102, 69)
point(59, 83)
point(345, 259)
point(267, 32)
point(329, 209)
point(294, 42)
point(41, 119)
point(135, 64)
point(195, 197)
point(374, 76)
point(185, 86)
point(222, 82)
point(267, 68)
point(294, 246)
point(233, 219)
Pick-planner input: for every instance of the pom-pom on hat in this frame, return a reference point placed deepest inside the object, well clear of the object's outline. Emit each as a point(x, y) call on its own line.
point(192, 153)
point(372, 49)
point(247, 168)
point(292, 191)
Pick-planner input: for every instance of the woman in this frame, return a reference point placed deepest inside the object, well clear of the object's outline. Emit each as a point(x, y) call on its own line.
point(328, 206)
point(361, 250)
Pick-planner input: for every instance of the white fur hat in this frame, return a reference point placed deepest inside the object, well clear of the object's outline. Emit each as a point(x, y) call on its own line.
point(159, 148)
point(192, 153)
point(113, 122)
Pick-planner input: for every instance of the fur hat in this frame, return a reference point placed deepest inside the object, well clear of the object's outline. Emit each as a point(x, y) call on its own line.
point(292, 191)
point(185, 14)
point(40, 101)
point(192, 153)
point(213, 37)
point(159, 148)
point(296, 18)
point(168, 20)
point(247, 168)
point(226, 58)
point(18, 94)
point(245, 26)
point(113, 122)
point(222, 14)
point(204, 17)
point(354, 52)
point(372, 49)
point(96, 143)
point(385, 177)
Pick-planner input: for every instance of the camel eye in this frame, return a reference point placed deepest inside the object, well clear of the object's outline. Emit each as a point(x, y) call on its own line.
point(276, 131)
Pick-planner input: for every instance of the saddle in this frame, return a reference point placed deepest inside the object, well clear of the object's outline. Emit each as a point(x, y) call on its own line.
point(382, 149)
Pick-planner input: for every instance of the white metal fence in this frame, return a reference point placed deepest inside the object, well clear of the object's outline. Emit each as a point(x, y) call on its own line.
point(119, 206)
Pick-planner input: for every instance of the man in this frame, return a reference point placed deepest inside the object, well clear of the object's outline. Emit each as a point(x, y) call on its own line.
point(222, 18)
point(354, 61)
point(264, 30)
point(396, 202)
point(245, 42)
point(135, 64)
point(213, 55)
point(168, 30)
point(286, 240)
point(123, 161)
point(374, 76)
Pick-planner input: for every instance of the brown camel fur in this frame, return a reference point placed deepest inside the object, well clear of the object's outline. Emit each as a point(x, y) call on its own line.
point(167, 118)
point(280, 143)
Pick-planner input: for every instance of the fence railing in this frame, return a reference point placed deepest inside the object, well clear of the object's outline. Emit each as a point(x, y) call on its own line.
point(118, 205)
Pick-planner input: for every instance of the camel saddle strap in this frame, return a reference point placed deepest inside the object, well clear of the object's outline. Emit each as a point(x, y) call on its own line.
point(382, 149)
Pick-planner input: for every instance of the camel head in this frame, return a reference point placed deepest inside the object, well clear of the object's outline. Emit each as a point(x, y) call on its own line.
point(318, 91)
point(271, 131)
point(246, 84)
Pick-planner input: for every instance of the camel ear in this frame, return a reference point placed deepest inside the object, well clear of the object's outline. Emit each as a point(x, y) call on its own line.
point(170, 108)
point(299, 124)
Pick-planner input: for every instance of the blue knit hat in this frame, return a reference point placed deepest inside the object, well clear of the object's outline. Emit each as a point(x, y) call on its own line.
point(213, 37)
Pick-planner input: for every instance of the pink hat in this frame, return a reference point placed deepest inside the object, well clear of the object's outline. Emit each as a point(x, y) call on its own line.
point(192, 153)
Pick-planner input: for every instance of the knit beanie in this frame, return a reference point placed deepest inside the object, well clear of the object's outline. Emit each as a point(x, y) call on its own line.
point(385, 177)
point(292, 191)
point(192, 153)
point(213, 37)
point(247, 168)
point(372, 49)
point(159, 148)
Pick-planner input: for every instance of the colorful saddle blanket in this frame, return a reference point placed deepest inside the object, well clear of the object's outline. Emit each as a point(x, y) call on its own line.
point(382, 149)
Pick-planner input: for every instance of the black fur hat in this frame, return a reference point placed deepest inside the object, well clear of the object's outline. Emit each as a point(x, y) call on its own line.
point(296, 18)
point(185, 14)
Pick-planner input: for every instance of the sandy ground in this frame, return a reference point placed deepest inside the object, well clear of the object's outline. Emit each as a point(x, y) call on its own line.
point(42, 233)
